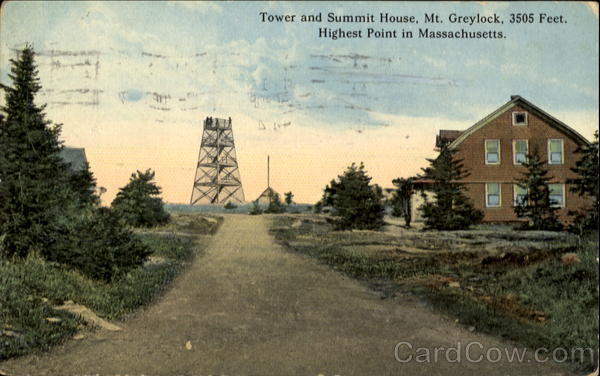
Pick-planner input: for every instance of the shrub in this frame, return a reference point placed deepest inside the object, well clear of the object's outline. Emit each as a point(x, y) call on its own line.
point(275, 204)
point(230, 206)
point(256, 210)
point(99, 246)
point(357, 204)
point(318, 208)
point(138, 203)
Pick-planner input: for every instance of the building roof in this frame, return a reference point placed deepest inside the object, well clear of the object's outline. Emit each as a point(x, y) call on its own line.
point(446, 136)
point(518, 100)
point(74, 157)
point(267, 193)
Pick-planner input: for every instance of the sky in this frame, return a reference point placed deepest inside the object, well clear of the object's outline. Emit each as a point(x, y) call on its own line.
point(131, 82)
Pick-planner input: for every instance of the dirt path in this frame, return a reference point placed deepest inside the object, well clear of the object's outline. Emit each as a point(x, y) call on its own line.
point(249, 307)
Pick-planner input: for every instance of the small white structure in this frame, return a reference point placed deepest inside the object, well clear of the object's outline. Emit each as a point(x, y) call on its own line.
point(268, 194)
point(266, 197)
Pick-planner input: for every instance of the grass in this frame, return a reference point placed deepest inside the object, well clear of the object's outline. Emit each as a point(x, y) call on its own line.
point(509, 284)
point(29, 288)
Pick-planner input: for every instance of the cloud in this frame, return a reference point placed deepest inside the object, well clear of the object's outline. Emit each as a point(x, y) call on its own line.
point(197, 6)
point(160, 77)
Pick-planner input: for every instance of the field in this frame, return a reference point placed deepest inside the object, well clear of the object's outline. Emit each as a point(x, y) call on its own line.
point(538, 289)
point(31, 289)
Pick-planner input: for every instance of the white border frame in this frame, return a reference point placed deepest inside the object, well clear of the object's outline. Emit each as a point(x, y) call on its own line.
point(514, 150)
point(562, 151)
point(499, 195)
point(514, 115)
point(564, 195)
point(485, 152)
point(515, 194)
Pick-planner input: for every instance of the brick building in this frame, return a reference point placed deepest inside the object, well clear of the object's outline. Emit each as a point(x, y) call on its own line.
point(493, 149)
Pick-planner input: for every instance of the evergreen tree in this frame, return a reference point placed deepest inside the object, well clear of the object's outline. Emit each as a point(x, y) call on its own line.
point(99, 246)
point(586, 184)
point(83, 183)
point(138, 203)
point(275, 204)
point(357, 203)
point(256, 209)
point(318, 208)
point(328, 194)
point(33, 187)
point(401, 199)
point(289, 198)
point(451, 209)
point(536, 205)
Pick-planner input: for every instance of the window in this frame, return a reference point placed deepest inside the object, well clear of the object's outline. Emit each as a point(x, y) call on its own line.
point(519, 195)
point(520, 150)
point(555, 151)
point(557, 195)
point(492, 195)
point(519, 118)
point(492, 151)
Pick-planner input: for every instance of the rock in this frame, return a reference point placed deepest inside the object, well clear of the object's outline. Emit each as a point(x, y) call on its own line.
point(454, 284)
point(297, 224)
point(88, 315)
point(10, 333)
point(154, 260)
point(570, 258)
point(471, 329)
point(53, 319)
point(188, 345)
point(78, 336)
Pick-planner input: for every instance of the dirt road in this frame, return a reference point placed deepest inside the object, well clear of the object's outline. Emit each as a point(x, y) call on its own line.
point(248, 307)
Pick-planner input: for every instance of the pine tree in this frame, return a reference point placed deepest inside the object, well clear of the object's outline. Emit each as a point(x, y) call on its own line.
point(586, 184)
point(451, 209)
point(138, 203)
point(33, 184)
point(536, 206)
point(329, 193)
point(256, 209)
point(289, 198)
point(401, 199)
point(357, 203)
point(275, 204)
point(83, 183)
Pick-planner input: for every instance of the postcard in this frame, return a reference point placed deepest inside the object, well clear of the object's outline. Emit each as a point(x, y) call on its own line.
point(298, 188)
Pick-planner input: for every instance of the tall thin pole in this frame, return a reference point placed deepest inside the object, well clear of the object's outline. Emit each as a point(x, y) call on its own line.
point(218, 161)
